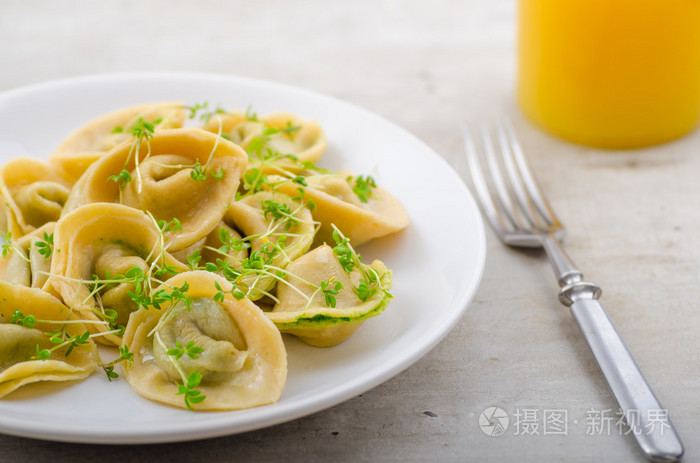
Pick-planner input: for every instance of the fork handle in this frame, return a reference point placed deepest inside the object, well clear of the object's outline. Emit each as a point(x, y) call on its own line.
point(646, 418)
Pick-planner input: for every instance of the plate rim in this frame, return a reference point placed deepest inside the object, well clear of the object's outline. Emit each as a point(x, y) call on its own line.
point(268, 416)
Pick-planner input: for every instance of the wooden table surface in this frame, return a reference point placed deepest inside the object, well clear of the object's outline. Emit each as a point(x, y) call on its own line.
point(633, 216)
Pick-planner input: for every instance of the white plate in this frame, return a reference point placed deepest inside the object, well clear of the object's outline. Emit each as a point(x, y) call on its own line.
point(437, 261)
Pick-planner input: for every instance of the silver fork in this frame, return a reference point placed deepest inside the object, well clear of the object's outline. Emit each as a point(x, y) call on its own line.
point(517, 210)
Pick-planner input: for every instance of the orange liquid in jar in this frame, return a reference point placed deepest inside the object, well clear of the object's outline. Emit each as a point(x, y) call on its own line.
point(610, 73)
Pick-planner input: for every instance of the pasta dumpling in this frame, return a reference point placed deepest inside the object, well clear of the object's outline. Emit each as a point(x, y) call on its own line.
point(304, 309)
point(188, 174)
point(371, 214)
point(85, 145)
point(28, 261)
point(272, 137)
point(103, 252)
point(33, 192)
point(21, 342)
point(237, 356)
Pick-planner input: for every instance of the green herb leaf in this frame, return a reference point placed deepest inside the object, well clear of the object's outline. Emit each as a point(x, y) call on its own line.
point(18, 318)
point(109, 371)
point(45, 247)
point(329, 289)
point(122, 178)
point(193, 260)
point(124, 354)
point(251, 115)
point(197, 173)
point(189, 390)
point(42, 354)
point(142, 129)
point(363, 187)
point(7, 246)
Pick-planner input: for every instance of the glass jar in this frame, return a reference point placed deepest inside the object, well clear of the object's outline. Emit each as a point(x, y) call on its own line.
point(610, 73)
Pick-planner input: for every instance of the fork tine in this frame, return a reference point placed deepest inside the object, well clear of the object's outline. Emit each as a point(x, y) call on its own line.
point(501, 190)
point(478, 181)
point(525, 200)
point(529, 180)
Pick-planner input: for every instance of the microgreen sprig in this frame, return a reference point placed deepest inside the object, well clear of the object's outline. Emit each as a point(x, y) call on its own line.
point(45, 247)
point(367, 289)
point(8, 247)
point(190, 349)
point(230, 243)
point(343, 251)
point(203, 112)
point(194, 259)
point(18, 318)
point(362, 187)
point(189, 384)
point(370, 282)
point(142, 129)
point(251, 115)
point(330, 289)
point(122, 178)
point(199, 172)
point(124, 356)
point(166, 227)
point(189, 390)
point(280, 212)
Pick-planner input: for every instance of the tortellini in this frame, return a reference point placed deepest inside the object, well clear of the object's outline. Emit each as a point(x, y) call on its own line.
point(160, 174)
point(241, 360)
point(34, 194)
point(372, 214)
point(302, 310)
point(84, 146)
point(21, 342)
point(97, 245)
point(273, 136)
point(28, 262)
